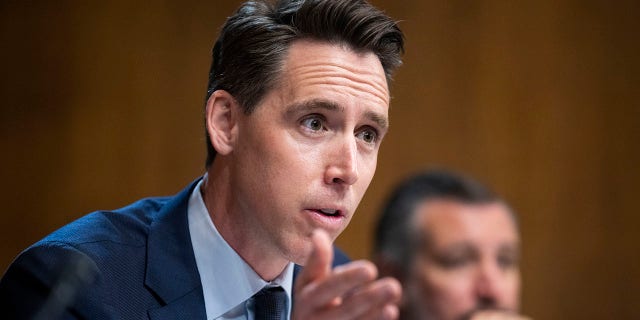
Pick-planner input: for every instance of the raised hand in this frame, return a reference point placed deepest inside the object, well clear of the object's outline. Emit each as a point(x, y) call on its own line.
point(350, 291)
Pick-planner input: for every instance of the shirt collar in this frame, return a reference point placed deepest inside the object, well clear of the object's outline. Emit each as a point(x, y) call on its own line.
point(227, 280)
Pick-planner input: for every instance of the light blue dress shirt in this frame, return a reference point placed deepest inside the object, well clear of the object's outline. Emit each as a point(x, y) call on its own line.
point(228, 282)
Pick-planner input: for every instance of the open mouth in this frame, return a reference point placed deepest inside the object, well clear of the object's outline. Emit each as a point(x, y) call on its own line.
point(330, 212)
point(332, 220)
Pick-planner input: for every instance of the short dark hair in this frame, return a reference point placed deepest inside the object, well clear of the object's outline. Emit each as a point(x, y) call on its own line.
point(394, 237)
point(248, 55)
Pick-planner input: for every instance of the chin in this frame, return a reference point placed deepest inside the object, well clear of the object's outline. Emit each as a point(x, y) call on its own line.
point(300, 251)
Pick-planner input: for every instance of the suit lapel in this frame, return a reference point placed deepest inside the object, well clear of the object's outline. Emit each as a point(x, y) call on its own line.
point(189, 306)
point(172, 274)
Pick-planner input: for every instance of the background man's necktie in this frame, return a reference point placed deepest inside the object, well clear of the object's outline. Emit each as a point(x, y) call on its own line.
point(270, 303)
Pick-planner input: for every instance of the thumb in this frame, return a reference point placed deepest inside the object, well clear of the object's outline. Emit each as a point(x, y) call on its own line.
point(318, 264)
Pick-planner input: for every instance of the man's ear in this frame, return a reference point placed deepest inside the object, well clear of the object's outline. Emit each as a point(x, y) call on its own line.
point(221, 119)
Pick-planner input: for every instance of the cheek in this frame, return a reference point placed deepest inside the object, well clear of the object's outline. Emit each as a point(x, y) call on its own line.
point(512, 290)
point(366, 169)
point(448, 285)
point(274, 155)
point(260, 166)
point(370, 162)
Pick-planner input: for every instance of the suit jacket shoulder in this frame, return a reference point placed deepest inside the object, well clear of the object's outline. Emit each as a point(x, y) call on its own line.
point(132, 263)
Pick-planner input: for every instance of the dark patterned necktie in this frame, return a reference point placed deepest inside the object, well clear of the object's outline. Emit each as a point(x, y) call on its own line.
point(270, 303)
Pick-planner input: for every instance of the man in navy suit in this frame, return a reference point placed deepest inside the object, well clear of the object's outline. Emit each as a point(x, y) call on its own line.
point(297, 106)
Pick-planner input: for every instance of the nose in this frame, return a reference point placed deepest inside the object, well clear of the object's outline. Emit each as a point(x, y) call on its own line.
point(489, 288)
point(342, 166)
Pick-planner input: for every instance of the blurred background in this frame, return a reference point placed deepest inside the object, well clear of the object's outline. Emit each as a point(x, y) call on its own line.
point(102, 104)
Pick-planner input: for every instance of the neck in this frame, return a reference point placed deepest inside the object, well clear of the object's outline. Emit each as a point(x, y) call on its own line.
point(236, 226)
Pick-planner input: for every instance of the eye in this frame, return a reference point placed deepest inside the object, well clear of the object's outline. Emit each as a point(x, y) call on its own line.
point(453, 262)
point(455, 259)
point(507, 261)
point(368, 135)
point(313, 123)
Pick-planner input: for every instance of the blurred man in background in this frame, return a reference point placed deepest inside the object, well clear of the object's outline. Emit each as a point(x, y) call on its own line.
point(454, 246)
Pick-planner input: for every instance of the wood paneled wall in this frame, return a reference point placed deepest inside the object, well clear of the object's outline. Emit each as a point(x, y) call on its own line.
point(102, 105)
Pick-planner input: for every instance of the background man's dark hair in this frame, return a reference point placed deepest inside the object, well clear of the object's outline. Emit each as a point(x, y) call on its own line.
point(394, 235)
point(248, 55)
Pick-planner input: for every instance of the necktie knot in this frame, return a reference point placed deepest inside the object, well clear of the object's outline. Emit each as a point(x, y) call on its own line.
point(270, 303)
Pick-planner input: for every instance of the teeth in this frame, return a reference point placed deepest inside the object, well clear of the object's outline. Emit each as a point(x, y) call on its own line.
point(329, 211)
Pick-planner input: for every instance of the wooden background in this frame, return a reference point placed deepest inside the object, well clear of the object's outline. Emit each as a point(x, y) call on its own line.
point(102, 105)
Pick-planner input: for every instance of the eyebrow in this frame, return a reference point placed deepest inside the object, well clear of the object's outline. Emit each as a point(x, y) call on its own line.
point(378, 118)
point(509, 248)
point(314, 104)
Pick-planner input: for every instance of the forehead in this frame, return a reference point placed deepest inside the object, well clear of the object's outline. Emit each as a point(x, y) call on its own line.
point(448, 222)
point(315, 67)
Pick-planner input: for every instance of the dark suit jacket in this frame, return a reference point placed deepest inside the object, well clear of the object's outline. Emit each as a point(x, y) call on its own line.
point(136, 262)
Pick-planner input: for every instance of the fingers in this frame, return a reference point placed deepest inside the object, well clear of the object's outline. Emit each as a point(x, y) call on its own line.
point(389, 311)
point(318, 264)
point(342, 281)
point(375, 300)
point(351, 291)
